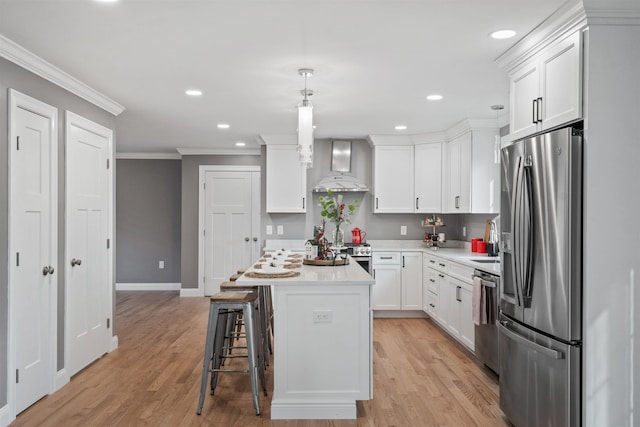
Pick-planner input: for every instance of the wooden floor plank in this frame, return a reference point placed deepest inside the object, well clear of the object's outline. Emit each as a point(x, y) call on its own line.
point(421, 377)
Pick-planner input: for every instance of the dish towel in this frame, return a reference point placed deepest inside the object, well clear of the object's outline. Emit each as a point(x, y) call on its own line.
point(478, 302)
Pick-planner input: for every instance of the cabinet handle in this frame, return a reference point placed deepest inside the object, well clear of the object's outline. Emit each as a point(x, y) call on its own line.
point(376, 203)
point(432, 261)
point(441, 264)
point(431, 280)
point(458, 294)
point(303, 203)
point(539, 112)
point(402, 261)
point(431, 305)
point(441, 275)
point(457, 202)
point(417, 203)
point(374, 273)
point(534, 111)
point(386, 257)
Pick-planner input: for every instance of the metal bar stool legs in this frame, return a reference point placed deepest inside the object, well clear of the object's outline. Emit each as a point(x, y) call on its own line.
point(221, 307)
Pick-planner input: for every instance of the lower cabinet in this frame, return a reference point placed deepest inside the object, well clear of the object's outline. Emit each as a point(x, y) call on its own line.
point(447, 299)
point(398, 281)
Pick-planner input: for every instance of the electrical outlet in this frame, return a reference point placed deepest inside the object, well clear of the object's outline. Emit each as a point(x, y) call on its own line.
point(280, 230)
point(322, 316)
point(403, 230)
point(160, 265)
point(464, 231)
point(269, 229)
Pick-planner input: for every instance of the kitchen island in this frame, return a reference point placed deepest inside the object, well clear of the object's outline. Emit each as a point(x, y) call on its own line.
point(322, 341)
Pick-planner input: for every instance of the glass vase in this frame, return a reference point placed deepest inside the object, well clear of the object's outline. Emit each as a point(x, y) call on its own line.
point(338, 237)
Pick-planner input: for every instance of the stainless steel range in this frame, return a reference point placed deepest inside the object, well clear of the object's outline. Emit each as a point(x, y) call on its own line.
point(361, 253)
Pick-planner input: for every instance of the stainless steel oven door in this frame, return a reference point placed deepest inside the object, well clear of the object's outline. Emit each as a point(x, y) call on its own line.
point(364, 261)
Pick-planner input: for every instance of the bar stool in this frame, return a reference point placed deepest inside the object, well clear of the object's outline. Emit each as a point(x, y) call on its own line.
point(263, 316)
point(221, 305)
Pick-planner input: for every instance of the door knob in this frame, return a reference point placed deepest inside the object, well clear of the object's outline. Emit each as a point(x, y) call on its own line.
point(255, 239)
point(246, 239)
point(75, 262)
point(45, 270)
point(51, 270)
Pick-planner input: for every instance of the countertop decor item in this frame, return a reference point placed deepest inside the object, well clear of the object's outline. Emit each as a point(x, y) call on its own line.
point(338, 212)
point(343, 261)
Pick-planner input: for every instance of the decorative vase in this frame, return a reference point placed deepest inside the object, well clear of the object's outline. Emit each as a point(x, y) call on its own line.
point(338, 237)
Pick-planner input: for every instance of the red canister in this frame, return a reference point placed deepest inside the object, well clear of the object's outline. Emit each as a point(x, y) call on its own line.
point(474, 244)
point(482, 247)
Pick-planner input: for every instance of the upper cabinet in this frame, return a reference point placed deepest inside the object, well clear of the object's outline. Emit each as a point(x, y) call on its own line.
point(472, 174)
point(546, 91)
point(393, 179)
point(286, 180)
point(428, 178)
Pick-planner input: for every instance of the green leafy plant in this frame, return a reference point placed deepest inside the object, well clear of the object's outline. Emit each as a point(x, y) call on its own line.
point(335, 210)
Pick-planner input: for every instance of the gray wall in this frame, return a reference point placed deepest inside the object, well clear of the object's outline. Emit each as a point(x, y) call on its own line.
point(15, 77)
point(148, 208)
point(189, 245)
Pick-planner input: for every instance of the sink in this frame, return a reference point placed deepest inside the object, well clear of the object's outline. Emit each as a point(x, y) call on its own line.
point(487, 261)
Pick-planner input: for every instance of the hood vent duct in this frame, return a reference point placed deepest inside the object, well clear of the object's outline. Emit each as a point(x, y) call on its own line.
point(340, 179)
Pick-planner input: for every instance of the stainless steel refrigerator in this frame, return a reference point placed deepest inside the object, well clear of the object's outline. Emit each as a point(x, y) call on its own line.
point(541, 295)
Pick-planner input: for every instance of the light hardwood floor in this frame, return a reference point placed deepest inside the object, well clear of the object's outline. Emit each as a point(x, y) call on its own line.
point(421, 377)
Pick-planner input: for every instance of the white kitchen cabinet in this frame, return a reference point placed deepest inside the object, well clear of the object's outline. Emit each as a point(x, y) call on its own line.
point(546, 91)
point(428, 178)
point(387, 270)
point(393, 179)
point(411, 281)
point(286, 178)
point(398, 280)
point(473, 173)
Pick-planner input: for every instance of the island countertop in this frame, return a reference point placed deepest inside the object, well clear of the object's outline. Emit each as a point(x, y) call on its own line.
point(350, 274)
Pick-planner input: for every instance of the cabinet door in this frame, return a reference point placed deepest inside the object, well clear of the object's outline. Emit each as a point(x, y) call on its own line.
point(467, 328)
point(525, 88)
point(393, 179)
point(412, 280)
point(561, 82)
point(387, 290)
point(459, 174)
point(443, 300)
point(286, 180)
point(455, 306)
point(428, 178)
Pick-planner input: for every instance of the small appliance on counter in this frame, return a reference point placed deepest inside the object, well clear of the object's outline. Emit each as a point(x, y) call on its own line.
point(358, 236)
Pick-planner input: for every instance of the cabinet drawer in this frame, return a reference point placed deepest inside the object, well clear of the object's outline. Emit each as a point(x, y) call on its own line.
point(432, 305)
point(461, 272)
point(437, 263)
point(382, 258)
point(431, 280)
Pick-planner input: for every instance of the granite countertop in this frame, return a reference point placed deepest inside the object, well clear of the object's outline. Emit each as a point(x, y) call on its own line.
point(453, 251)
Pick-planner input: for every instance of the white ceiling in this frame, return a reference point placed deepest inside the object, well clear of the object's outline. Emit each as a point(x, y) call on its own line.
point(375, 61)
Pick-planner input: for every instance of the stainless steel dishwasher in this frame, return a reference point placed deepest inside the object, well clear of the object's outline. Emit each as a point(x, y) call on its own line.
point(487, 336)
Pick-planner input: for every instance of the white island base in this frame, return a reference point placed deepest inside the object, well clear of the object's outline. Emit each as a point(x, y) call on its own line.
point(323, 342)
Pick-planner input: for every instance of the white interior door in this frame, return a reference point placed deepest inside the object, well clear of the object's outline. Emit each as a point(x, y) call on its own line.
point(88, 148)
point(33, 241)
point(231, 224)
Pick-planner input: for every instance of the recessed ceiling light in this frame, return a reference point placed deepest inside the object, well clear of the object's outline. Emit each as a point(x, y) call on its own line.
point(106, 1)
point(193, 92)
point(502, 34)
point(223, 126)
point(434, 97)
point(401, 127)
point(240, 144)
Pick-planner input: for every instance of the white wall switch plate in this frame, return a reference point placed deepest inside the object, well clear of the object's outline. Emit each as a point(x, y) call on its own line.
point(403, 230)
point(161, 264)
point(464, 231)
point(280, 230)
point(269, 229)
point(322, 316)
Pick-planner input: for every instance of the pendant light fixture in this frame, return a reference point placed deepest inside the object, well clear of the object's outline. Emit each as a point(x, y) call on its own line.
point(305, 122)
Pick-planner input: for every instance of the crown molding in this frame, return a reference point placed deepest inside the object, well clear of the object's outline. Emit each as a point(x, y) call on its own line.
point(218, 151)
point(148, 156)
point(374, 140)
point(15, 53)
point(428, 138)
point(278, 139)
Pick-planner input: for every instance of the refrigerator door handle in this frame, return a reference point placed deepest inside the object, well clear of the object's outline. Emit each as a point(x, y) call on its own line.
point(515, 223)
point(528, 249)
point(549, 352)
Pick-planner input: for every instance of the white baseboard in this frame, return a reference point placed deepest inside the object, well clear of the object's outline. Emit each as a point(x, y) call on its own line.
point(399, 314)
point(62, 379)
point(114, 343)
point(5, 416)
point(148, 286)
point(191, 292)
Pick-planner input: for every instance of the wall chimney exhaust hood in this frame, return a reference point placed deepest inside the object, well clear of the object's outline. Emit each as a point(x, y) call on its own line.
point(340, 179)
